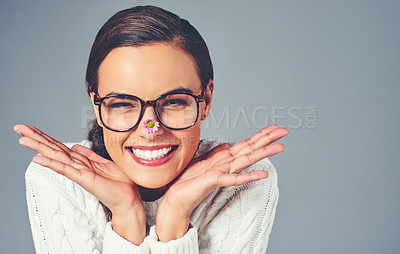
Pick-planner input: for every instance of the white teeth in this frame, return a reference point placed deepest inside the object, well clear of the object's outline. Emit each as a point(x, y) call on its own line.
point(151, 154)
point(147, 154)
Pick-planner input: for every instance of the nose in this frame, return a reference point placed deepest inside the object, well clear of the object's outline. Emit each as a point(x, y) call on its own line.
point(149, 113)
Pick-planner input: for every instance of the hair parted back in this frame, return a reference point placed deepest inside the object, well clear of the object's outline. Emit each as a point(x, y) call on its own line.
point(143, 25)
point(140, 26)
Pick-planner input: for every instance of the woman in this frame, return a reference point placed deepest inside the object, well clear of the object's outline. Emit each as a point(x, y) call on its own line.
point(147, 183)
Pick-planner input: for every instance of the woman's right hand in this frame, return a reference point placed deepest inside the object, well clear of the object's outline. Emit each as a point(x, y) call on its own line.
point(99, 176)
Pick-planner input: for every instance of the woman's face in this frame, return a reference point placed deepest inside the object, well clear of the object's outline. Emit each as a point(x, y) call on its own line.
point(148, 72)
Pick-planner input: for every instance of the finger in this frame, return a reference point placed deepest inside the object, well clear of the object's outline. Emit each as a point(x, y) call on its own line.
point(110, 169)
point(91, 182)
point(44, 149)
point(88, 153)
point(51, 140)
point(79, 158)
point(32, 132)
point(59, 167)
point(262, 140)
point(236, 148)
point(35, 133)
point(246, 160)
point(239, 179)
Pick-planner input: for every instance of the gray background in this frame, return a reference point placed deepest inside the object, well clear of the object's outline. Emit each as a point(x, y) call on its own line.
point(275, 62)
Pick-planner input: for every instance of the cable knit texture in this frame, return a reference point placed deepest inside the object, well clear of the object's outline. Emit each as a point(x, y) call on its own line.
point(65, 218)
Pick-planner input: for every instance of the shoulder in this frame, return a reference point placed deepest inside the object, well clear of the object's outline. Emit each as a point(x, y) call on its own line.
point(205, 145)
point(48, 177)
point(238, 218)
point(63, 216)
point(251, 196)
point(49, 186)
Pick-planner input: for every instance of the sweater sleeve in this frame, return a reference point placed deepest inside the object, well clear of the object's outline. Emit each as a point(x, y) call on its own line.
point(114, 243)
point(239, 219)
point(188, 244)
point(65, 218)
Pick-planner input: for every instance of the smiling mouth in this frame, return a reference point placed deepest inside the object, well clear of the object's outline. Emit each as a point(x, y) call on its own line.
point(152, 154)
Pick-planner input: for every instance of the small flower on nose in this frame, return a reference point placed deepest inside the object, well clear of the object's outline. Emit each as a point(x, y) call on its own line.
point(150, 126)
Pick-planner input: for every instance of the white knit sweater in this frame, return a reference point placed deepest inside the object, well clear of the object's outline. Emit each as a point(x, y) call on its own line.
point(65, 218)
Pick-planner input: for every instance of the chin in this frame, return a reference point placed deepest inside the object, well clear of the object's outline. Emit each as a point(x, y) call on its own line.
point(154, 182)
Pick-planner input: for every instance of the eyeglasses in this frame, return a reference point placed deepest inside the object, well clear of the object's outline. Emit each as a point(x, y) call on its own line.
point(123, 112)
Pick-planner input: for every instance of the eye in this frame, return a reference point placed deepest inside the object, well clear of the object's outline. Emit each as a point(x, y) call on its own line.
point(174, 102)
point(120, 105)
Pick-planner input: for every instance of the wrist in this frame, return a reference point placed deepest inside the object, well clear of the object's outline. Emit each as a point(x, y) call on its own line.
point(179, 210)
point(130, 225)
point(171, 224)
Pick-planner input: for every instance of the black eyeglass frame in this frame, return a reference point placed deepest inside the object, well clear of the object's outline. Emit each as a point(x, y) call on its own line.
point(143, 103)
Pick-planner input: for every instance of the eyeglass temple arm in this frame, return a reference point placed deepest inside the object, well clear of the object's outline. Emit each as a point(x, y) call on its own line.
point(97, 101)
point(200, 98)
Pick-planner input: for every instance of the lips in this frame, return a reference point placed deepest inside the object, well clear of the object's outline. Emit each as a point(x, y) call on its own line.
point(152, 155)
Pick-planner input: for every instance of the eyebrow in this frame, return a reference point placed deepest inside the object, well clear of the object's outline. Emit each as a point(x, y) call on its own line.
point(177, 90)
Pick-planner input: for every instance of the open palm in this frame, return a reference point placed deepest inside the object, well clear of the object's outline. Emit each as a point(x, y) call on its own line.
point(99, 176)
point(220, 167)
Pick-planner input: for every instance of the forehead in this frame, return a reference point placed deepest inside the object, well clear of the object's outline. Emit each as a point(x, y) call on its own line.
point(147, 71)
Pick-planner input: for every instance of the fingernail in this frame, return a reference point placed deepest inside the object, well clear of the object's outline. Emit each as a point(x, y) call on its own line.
point(17, 131)
point(22, 141)
point(39, 159)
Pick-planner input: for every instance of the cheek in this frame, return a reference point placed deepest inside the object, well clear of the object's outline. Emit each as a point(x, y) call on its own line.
point(113, 142)
point(190, 141)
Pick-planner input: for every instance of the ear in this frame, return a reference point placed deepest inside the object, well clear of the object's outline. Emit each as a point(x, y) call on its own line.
point(207, 99)
point(95, 109)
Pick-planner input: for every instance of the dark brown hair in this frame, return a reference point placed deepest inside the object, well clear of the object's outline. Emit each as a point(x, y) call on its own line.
point(138, 26)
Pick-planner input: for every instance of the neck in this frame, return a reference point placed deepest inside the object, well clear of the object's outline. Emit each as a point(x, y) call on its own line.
point(151, 194)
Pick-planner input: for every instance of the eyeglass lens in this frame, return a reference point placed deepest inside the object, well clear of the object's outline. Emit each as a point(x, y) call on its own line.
point(175, 111)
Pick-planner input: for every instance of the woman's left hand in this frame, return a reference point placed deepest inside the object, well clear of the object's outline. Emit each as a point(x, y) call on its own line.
point(217, 168)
